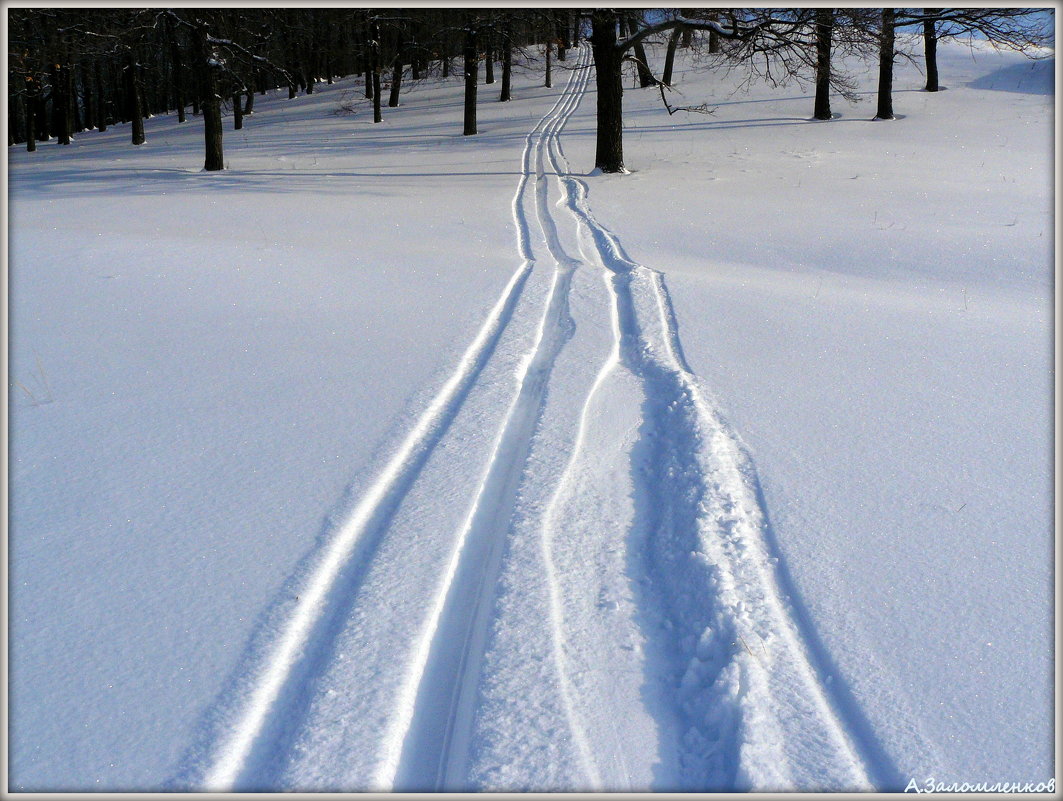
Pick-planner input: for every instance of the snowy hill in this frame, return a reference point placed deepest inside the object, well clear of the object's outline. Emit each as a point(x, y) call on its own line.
point(394, 459)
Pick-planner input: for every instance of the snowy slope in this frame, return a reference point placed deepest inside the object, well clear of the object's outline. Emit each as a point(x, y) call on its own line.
point(393, 459)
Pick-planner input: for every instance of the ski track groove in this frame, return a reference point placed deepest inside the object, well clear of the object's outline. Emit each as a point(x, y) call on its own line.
point(306, 631)
point(468, 603)
point(699, 505)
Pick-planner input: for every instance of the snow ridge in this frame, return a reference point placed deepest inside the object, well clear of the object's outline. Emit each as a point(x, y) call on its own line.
point(743, 677)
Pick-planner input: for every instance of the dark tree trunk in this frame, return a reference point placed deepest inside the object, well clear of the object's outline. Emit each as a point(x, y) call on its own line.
point(930, 50)
point(17, 120)
point(101, 99)
point(561, 34)
point(885, 66)
point(470, 79)
point(212, 131)
point(609, 147)
point(714, 38)
point(549, 72)
point(76, 119)
point(43, 134)
point(396, 77)
point(642, 65)
point(507, 62)
point(61, 104)
point(90, 97)
point(376, 96)
point(489, 66)
point(238, 112)
point(31, 113)
point(824, 31)
point(135, 102)
point(687, 37)
point(207, 90)
point(669, 57)
point(374, 58)
point(249, 104)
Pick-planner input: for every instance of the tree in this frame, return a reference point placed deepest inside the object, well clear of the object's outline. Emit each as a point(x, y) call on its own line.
point(1020, 29)
point(470, 59)
point(609, 52)
point(507, 58)
point(824, 31)
point(886, 55)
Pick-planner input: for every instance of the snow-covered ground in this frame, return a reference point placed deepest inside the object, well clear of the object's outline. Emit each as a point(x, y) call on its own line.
point(392, 458)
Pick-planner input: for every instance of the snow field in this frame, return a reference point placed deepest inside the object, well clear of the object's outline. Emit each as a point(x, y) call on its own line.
point(558, 565)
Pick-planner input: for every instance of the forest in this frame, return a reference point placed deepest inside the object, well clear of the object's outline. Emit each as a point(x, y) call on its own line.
point(73, 70)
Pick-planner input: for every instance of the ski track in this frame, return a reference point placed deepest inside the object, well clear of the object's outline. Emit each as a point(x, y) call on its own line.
point(708, 565)
point(456, 639)
point(282, 676)
point(741, 675)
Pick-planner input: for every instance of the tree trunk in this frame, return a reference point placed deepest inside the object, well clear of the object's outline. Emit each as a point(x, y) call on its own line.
point(90, 97)
point(101, 100)
point(249, 104)
point(135, 103)
point(470, 79)
point(669, 57)
point(31, 111)
point(687, 37)
point(609, 146)
point(885, 66)
point(376, 96)
point(714, 38)
point(824, 31)
point(76, 118)
point(212, 131)
point(930, 50)
point(549, 73)
point(507, 62)
point(396, 77)
point(489, 64)
point(238, 112)
point(61, 104)
point(43, 135)
point(561, 34)
point(642, 64)
point(16, 123)
point(207, 89)
point(374, 50)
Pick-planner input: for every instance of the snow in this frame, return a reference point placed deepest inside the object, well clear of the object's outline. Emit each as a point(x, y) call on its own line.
point(396, 459)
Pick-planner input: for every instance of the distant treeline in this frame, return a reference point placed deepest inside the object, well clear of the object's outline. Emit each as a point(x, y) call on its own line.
point(76, 69)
